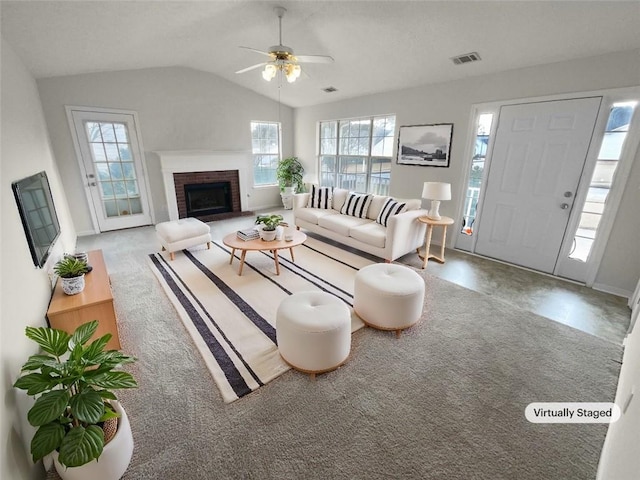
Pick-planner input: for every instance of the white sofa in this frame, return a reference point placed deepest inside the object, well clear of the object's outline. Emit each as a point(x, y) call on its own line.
point(403, 233)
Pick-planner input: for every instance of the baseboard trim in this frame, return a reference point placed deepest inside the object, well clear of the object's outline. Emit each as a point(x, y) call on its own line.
point(618, 292)
point(86, 233)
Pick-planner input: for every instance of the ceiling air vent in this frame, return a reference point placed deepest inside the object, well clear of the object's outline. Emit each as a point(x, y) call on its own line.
point(330, 89)
point(466, 58)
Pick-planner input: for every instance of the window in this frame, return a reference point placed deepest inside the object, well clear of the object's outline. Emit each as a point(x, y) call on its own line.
point(113, 163)
point(477, 170)
point(265, 146)
point(608, 158)
point(356, 154)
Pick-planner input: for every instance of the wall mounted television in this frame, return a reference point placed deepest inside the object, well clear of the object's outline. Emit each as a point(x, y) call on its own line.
point(38, 215)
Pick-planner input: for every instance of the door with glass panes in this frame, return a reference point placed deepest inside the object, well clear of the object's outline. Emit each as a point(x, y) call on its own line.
point(537, 162)
point(113, 169)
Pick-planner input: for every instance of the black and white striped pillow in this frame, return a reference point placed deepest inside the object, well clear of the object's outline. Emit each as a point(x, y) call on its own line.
point(357, 205)
point(390, 208)
point(320, 197)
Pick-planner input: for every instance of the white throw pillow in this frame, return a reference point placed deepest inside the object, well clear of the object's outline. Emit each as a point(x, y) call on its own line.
point(320, 197)
point(390, 208)
point(377, 202)
point(339, 196)
point(357, 205)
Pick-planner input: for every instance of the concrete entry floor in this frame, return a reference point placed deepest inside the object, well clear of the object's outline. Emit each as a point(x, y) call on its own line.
point(597, 313)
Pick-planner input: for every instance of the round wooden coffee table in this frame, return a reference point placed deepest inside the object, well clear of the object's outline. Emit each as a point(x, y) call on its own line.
point(232, 241)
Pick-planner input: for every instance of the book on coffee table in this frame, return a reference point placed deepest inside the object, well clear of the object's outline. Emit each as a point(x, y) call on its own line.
point(248, 234)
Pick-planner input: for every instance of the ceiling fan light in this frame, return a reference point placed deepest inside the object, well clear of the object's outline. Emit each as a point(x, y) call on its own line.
point(292, 72)
point(269, 72)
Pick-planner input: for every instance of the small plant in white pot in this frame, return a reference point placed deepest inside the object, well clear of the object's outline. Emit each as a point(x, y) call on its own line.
point(75, 407)
point(269, 225)
point(71, 270)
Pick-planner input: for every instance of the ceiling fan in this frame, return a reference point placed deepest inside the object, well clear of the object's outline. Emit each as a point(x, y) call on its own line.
point(282, 57)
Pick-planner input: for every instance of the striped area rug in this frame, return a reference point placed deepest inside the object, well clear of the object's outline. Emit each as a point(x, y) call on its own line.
point(231, 318)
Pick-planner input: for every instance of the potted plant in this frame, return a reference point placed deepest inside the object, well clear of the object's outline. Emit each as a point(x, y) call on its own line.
point(72, 382)
point(289, 174)
point(269, 225)
point(71, 270)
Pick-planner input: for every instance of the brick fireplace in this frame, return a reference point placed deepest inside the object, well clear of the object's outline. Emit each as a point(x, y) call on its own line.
point(199, 167)
point(182, 182)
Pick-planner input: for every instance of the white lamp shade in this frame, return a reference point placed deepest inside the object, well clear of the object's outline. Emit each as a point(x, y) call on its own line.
point(436, 191)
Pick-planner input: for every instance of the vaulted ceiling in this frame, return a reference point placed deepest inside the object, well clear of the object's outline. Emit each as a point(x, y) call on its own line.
point(377, 45)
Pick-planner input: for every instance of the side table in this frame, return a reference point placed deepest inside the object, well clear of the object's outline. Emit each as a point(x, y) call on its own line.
point(95, 302)
point(444, 222)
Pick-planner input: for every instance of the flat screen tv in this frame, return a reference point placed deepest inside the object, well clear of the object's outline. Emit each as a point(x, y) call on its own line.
point(38, 214)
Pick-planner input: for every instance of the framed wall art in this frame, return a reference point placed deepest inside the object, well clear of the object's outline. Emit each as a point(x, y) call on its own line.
point(425, 145)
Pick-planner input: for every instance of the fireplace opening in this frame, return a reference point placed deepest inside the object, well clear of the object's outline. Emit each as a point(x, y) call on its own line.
point(208, 198)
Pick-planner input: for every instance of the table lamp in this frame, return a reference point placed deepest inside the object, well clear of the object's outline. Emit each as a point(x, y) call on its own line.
point(436, 191)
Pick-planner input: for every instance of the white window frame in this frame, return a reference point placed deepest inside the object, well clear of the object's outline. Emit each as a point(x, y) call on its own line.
point(369, 156)
point(254, 154)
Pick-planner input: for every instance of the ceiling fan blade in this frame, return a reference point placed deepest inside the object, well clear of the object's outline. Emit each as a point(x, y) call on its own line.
point(314, 58)
point(252, 67)
point(257, 51)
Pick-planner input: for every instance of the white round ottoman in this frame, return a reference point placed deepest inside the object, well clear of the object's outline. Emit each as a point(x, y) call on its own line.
point(313, 330)
point(388, 296)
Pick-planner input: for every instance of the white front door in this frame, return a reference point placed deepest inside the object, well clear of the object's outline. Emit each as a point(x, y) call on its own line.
point(112, 165)
point(538, 157)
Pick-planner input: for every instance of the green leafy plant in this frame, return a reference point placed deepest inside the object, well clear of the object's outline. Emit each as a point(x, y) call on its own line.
point(70, 267)
point(72, 383)
point(289, 174)
point(270, 222)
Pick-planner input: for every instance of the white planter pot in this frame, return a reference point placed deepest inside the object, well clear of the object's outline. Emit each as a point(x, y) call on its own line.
point(73, 286)
point(114, 460)
point(268, 235)
point(287, 201)
point(287, 197)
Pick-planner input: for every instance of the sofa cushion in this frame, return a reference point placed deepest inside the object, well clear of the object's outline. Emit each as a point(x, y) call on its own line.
point(412, 203)
point(320, 197)
point(391, 207)
point(377, 202)
point(341, 224)
point(339, 197)
point(312, 215)
point(357, 205)
point(371, 233)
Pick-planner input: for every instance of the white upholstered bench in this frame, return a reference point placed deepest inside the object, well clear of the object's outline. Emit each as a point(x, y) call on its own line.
point(184, 233)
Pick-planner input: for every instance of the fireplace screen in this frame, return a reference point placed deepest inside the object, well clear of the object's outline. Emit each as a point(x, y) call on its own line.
point(208, 198)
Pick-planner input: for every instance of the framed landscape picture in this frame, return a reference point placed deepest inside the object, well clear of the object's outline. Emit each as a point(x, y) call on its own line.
point(425, 145)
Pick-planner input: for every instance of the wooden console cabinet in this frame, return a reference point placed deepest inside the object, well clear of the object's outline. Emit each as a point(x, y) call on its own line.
point(95, 302)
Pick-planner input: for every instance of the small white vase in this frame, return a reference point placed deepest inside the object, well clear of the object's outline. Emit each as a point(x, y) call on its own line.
point(73, 286)
point(114, 460)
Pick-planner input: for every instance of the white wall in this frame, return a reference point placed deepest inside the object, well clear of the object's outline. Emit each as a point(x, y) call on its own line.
point(619, 458)
point(178, 109)
point(452, 102)
point(26, 290)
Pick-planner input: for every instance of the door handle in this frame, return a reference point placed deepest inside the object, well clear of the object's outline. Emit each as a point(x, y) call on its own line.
point(564, 206)
point(568, 194)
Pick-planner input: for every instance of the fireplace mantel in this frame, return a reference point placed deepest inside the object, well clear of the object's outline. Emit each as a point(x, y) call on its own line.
point(201, 161)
